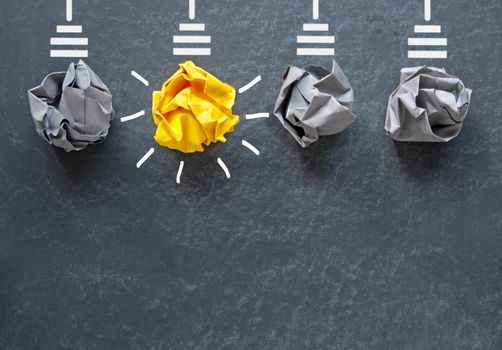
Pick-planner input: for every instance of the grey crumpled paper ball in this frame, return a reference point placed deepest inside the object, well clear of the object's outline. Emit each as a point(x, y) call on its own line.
point(72, 110)
point(429, 105)
point(314, 102)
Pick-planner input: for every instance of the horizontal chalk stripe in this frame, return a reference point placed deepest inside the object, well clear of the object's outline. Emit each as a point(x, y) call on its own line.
point(191, 39)
point(70, 53)
point(132, 116)
point(427, 41)
point(195, 27)
point(179, 51)
point(314, 52)
point(257, 116)
point(312, 27)
point(314, 39)
point(427, 29)
point(427, 54)
point(69, 41)
point(69, 29)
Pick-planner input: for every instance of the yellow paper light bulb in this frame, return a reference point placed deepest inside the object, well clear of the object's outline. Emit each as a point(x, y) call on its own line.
point(193, 109)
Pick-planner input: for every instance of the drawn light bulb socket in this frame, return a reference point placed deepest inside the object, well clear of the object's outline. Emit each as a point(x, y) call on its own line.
point(426, 43)
point(314, 41)
point(69, 42)
point(191, 40)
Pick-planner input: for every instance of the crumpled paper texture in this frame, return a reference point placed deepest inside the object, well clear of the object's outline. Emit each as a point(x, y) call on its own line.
point(72, 109)
point(193, 109)
point(314, 102)
point(429, 105)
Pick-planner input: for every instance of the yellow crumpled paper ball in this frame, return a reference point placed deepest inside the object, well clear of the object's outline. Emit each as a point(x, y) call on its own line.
point(193, 109)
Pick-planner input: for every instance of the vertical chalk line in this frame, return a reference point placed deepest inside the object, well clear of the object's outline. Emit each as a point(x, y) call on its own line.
point(315, 9)
point(427, 10)
point(180, 171)
point(69, 10)
point(191, 9)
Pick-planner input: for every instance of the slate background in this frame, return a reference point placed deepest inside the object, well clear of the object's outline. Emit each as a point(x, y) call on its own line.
point(355, 243)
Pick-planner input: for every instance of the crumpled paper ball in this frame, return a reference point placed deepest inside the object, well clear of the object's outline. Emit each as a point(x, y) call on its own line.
point(314, 102)
point(429, 105)
point(72, 109)
point(193, 109)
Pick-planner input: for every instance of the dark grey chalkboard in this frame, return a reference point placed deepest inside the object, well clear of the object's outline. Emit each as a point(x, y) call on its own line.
point(355, 243)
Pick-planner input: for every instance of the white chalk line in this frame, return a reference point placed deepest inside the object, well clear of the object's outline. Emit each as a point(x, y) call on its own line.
point(224, 167)
point(257, 116)
point(132, 116)
point(315, 39)
point(191, 39)
point(140, 78)
point(145, 158)
point(427, 54)
point(69, 53)
point(427, 10)
point(180, 51)
point(314, 52)
point(427, 41)
point(69, 10)
point(315, 9)
point(69, 29)
point(191, 9)
point(251, 147)
point(180, 171)
point(427, 28)
point(70, 41)
point(315, 27)
point(250, 84)
point(192, 27)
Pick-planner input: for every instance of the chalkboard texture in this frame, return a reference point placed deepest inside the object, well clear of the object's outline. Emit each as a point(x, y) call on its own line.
point(357, 242)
